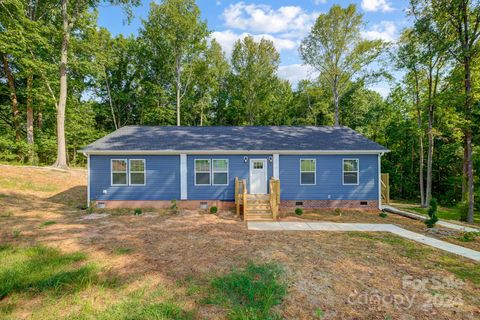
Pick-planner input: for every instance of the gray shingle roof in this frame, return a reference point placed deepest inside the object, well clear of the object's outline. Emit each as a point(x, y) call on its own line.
point(163, 138)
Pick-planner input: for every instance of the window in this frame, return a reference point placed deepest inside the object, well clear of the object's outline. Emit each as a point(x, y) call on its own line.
point(220, 171)
point(307, 171)
point(202, 172)
point(119, 172)
point(350, 171)
point(137, 172)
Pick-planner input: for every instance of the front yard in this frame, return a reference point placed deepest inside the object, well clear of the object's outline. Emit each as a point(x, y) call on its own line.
point(193, 265)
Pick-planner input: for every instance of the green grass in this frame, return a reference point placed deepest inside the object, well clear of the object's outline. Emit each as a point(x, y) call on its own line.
point(122, 250)
point(22, 185)
point(250, 293)
point(139, 305)
point(47, 223)
point(39, 269)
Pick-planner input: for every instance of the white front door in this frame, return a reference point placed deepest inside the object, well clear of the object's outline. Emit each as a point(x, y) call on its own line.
point(258, 176)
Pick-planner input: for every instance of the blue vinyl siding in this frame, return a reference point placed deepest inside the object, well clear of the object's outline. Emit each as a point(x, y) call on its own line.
point(329, 179)
point(237, 168)
point(162, 179)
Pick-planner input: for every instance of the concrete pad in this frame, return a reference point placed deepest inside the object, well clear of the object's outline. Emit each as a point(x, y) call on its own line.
point(264, 226)
point(295, 226)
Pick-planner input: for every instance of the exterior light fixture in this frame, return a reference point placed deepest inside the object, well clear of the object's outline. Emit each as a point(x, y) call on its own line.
point(245, 159)
point(270, 159)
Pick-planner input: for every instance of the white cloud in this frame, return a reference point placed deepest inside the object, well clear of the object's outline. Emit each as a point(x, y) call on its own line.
point(296, 72)
point(261, 18)
point(377, 5)
point(227, 39)
point(385, 30)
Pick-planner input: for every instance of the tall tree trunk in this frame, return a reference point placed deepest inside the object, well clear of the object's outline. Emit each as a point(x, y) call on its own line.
point(40, 120)
point(428, 190)
point(335, 101)
point(62, 101)
point(178, 87)
point(110, 98)
point(13, 97)
point(30, 137)
point(420, 141)
point(468, 140)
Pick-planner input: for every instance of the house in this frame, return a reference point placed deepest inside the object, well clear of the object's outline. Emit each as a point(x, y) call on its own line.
point(316, 167)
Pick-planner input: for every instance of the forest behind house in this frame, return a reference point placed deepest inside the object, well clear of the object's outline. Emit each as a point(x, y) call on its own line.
point(66, 82)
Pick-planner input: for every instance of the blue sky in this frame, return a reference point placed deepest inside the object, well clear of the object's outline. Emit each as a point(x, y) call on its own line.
point(285, 22)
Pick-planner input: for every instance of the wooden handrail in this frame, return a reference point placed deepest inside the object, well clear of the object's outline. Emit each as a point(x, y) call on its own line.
point(274, 197)
point(244, 198)
point(237, 201)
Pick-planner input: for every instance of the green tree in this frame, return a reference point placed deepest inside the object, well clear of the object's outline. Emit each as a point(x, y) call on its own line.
point(337, 50)
point(455, 26)
point(175, 30)
point(254, 82)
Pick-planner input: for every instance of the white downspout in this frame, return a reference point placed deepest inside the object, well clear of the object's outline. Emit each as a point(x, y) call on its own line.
point(276, 166)
point(88, 180)
point(183, 177)
point(380, 181)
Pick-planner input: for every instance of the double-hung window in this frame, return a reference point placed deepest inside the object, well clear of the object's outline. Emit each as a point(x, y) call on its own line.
point(220, 172)
point(307, 171)
point(350, 171)
point(202, 172)
point(137, 172)
point(119, 172)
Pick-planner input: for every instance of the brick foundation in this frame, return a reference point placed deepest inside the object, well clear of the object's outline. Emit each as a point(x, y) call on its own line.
point(285, 205)
point(161, 204)
point(329, 204)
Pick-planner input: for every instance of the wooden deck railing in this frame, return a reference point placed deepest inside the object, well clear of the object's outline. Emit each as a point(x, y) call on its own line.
point(385, 181)
point(240, 195)
point(274, 197)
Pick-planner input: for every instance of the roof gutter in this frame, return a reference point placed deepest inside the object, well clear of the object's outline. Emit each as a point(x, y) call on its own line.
point(226, 152)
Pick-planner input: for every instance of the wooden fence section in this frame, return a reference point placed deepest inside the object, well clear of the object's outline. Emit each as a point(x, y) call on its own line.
point(274, 197)
point(385, 188)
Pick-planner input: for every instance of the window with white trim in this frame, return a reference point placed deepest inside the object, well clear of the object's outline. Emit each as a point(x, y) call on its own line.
point(307, 171)
point(220, 172)
point(118, 169)
point(202, 172)
point(350, 171)
point(137, 172)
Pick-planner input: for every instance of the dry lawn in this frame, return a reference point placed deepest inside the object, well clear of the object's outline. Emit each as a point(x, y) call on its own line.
point(173, 258)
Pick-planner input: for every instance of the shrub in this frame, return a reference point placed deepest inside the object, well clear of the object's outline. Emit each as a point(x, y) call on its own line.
point(213, 209)
point(383, 214)
point(338, 211)
point(432, 213)
point(137, 211)
point(469, 236)
point(174, 207)
point(298, 211)
point(89, 210)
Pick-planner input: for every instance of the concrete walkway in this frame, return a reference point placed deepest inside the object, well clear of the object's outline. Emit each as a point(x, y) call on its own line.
point(423, 218)
point(368, 227)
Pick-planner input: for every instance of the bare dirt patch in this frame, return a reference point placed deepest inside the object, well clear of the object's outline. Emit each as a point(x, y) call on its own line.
point(181, 253)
